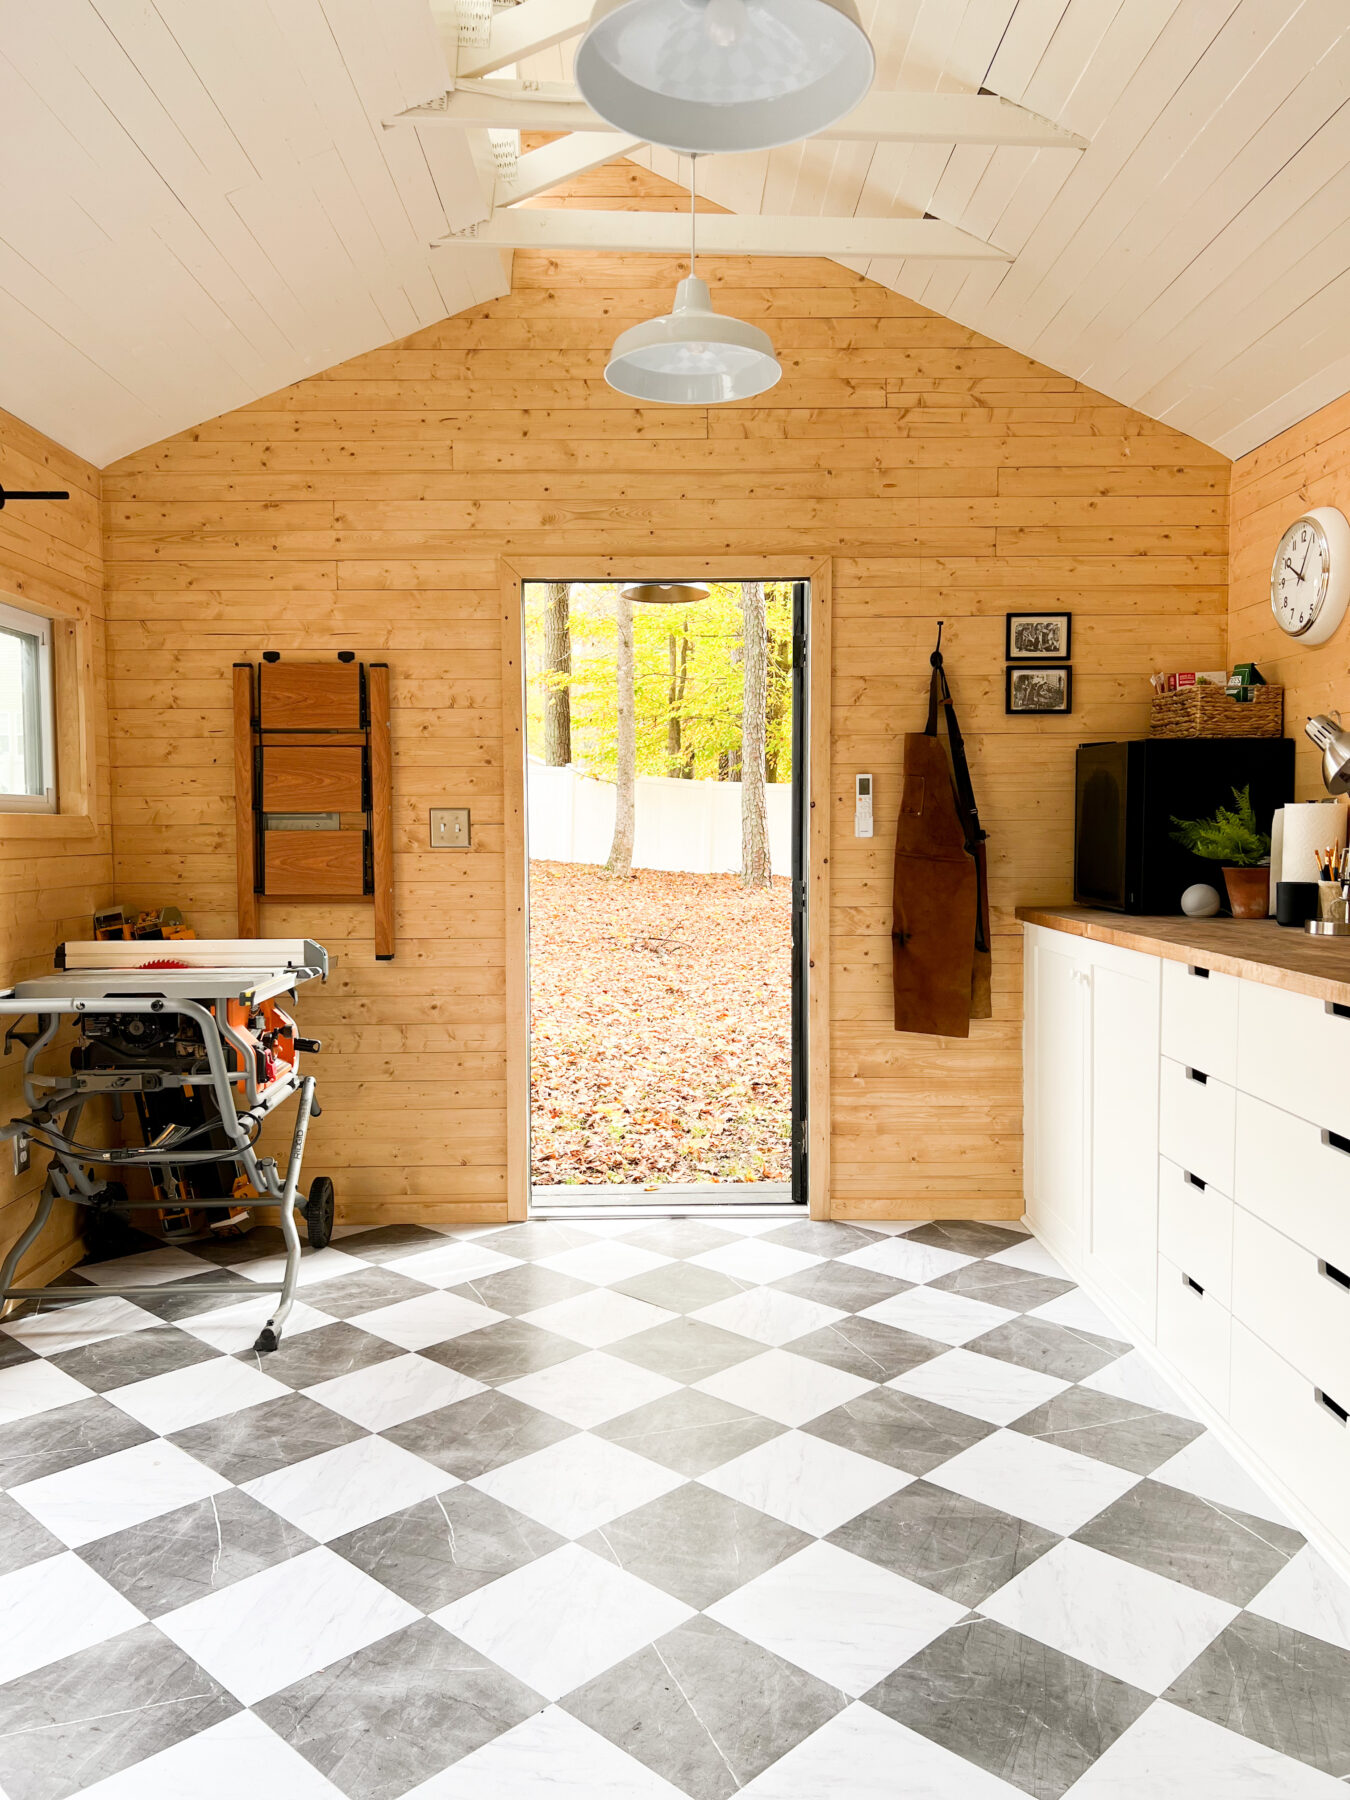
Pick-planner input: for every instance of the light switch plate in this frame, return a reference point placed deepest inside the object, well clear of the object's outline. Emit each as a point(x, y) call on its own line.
point(450, 828)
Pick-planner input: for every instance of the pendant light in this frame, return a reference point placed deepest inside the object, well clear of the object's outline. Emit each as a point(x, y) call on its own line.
point(693, 356)
point(664, 593)
point(724, 75)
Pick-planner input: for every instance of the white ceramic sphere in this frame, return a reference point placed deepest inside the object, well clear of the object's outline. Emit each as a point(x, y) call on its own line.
point(1200, 901)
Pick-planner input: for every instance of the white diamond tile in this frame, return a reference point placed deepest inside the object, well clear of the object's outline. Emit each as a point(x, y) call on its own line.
point(33, 1387)
point(1052, 1487)
point(590, 1389)
point(390, 1393)
point(605, 1262)
point(982, 1386)
point(857, 1754)
point(339, 1490)
point(1170, 1754)
point(73, 1327)
point(94, 1499)
point(752, 1261)
point(806, 1482)
point(201, 1391)
point(449, 1264)
point(315, 1266)
point(238, 1756)
point(235, 1328)
point(1308, 1595)
point(904, 1260)
point(55, 1608)
point(262, 1633)
point(598, 1317)
point(562, 1619)
point(1112, 1615)
point(846, 1621)
point(1032, 1256)
point(1132, 1378)
point(577, 1484)
point(788, 1389)
point(768, 1315)
point(1206, 1469)
point(934, 1313)
point(426, 1319)
point(149, 1268)
point(551, 1753)
point(1078, 1313)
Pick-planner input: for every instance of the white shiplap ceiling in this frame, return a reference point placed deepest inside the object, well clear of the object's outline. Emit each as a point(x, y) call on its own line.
point(1194, 261)
point(200, 204)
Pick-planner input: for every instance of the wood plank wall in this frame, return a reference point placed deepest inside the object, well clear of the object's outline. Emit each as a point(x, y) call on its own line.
point(54, 872)
point(365, 508)
point(1306, 466)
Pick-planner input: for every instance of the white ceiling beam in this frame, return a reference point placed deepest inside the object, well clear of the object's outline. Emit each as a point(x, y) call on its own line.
point(727, 234)
point(520, 31)
point(555, 164)
point(883, 118)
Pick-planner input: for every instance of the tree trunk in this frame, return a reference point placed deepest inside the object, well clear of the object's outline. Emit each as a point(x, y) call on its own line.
point(779, 700)
point(557, 669)
point(679, 757)
point(756, 870)
point(625, 805)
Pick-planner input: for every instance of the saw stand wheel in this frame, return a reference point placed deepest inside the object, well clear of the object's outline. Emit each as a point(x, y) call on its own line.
point(318, 1210)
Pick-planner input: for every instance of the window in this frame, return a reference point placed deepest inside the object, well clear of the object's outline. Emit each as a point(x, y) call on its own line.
point(27, 733)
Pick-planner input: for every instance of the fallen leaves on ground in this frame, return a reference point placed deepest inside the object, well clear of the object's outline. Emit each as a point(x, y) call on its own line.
point(662, 1027)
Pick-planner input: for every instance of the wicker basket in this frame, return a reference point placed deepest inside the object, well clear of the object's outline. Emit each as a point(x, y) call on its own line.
point(1205, 711)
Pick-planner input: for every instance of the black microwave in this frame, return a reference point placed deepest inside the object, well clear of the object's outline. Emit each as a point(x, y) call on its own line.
point(1128, 794)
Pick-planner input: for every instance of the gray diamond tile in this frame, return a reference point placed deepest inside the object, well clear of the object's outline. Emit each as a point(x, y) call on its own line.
point(822, 1237)
point(689, 1432)
point(844, 1285)
point(868, 1348)
point(1052, 1349)
point(968, 1237)
point(445, 1547)
point(385, 1243)
point(484, 1432)
point(679, 1237)
point(1026, 1713)
point(82, 1719)
point(899, 1429)
point(705, 1709)
point(944, 1541)
point(244, 1445)
point(696, 1544)
point(197, 1550)
point(362, 1291)
point(680, 1287)
point(686, 1349)
point(522, 1289)
point(64, 1437)
point(1278, 1686)
point(320, 1355)
point(1112, 1430)
point(1217, 1549)
point(1003, 1285)
point(133, 1356)
point(22, 1539)
point(503, 1352)
point(538, 1238)
point(385, 1719)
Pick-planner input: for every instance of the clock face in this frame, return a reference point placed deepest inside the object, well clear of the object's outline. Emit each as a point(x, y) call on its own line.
point(1300, 576)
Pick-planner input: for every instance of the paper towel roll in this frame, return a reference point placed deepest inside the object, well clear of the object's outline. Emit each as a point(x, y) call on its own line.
point(1276, 851)
point(1309, 827)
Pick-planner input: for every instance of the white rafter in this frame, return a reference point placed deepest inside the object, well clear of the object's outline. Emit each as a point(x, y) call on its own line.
point(883, 118)
point(518, 32)
point(553, 165)
point(727, 234)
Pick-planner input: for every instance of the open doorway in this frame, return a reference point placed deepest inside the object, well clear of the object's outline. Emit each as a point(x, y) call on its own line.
point(665, 790)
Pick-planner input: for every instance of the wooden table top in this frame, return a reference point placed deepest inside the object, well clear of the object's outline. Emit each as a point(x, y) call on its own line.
point(1256, 949)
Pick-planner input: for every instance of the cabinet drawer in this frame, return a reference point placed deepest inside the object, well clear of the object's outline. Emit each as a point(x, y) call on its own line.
point(1194, 1332)
point(1295, 1301)
point(1294, 1174)
point(1298, 1431)
point(1196, 1119)
point(1293, 1051)
point(1195, 1230)
point(1199, 1019)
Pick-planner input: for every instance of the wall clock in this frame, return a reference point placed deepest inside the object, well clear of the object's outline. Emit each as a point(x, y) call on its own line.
point(1310, 577)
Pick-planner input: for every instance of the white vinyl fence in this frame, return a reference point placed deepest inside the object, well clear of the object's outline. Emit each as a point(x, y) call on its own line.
point(690, 825)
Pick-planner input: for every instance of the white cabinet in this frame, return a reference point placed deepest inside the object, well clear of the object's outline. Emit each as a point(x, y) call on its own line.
point(1091, 1037)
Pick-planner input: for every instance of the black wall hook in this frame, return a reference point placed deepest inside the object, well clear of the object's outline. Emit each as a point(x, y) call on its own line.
point(32, 494)
point(936, 658)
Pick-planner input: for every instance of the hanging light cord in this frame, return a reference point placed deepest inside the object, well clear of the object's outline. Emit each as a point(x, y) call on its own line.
point(693, 211)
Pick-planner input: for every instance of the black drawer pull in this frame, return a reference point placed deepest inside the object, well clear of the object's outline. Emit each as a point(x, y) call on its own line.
point(1193, 1285)
point(1337, 1412)
point(1337, 1010)
point(1332, 1273)
point(1193, 969)
point(1197, 1075)
point(1194, 1180)
point(1334, 1141)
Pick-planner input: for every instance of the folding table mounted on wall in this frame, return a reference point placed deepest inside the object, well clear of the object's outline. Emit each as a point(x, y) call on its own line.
point(313, 787)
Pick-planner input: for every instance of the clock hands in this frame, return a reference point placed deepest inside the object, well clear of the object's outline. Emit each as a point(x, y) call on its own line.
point(1306, 554)
point(1296, 573)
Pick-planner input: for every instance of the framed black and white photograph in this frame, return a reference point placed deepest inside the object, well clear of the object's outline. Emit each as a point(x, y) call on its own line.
point(1039, 637)
point(1039, 690)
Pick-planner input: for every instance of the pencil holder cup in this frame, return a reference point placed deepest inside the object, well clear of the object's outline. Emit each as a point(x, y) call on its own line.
point(1332, 907)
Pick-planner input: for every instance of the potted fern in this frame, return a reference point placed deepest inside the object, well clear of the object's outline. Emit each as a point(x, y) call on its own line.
point(1232, 839)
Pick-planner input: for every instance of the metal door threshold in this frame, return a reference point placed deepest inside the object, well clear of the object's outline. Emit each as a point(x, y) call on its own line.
point(747, 1199)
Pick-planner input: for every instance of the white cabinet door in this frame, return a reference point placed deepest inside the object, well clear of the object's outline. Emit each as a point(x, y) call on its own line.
point(1057, 1061)
point(1121, 1247)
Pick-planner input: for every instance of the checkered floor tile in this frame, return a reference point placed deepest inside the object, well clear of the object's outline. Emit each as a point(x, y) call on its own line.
point(646, 1508)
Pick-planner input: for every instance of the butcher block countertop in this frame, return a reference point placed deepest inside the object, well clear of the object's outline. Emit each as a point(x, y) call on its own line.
point(1256, 949)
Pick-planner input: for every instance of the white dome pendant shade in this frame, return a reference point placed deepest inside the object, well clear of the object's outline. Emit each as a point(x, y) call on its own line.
point(693, 356)
point(664, 593)
point(724, 75)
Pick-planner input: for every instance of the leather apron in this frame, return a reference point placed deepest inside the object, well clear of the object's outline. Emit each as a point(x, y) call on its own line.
point(940, 939)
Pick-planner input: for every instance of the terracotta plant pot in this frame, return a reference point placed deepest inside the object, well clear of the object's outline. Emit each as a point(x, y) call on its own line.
point(1248, 892)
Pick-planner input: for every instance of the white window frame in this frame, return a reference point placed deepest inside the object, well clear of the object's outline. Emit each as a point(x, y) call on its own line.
point(39, 626)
